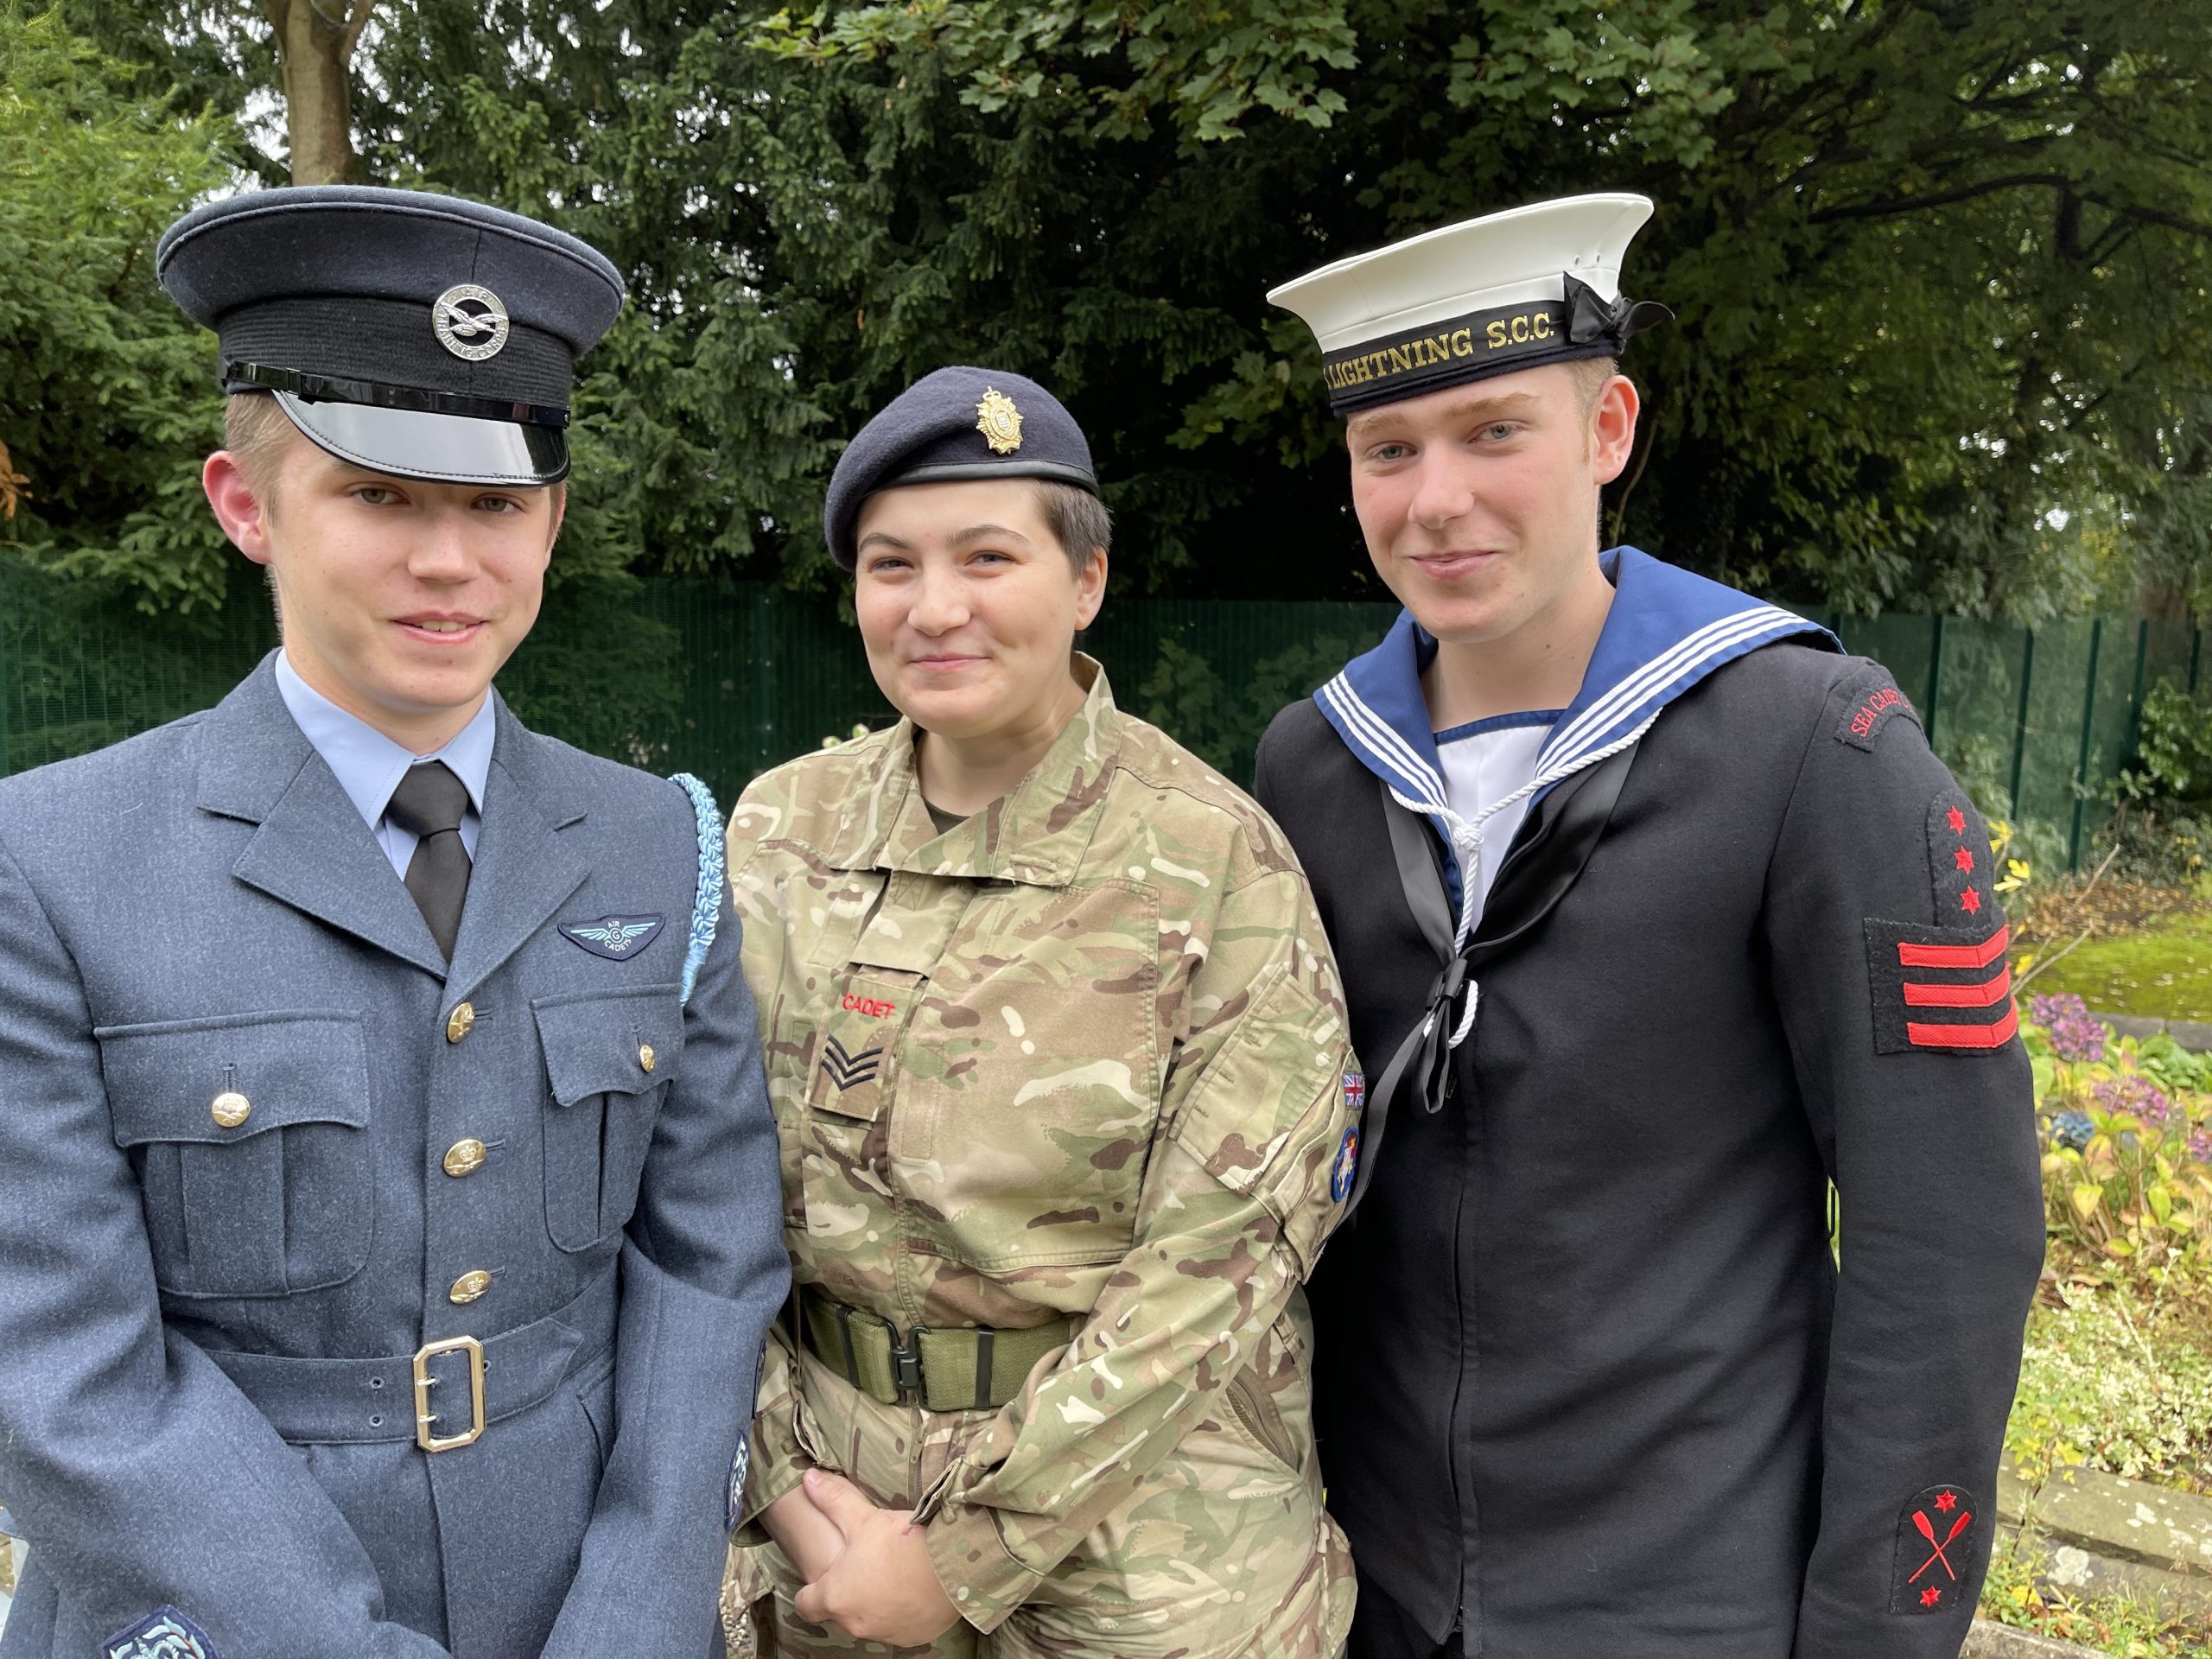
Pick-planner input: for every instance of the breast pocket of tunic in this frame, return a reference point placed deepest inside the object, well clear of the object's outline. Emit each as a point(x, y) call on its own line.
point(249, 1135)
point(853, 1062)
point(609, 1056)
point(1031, 1088)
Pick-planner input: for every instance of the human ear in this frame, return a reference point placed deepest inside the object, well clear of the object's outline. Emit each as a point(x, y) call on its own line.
point(1613, 428)
point(1090, 589)
point(240, 508)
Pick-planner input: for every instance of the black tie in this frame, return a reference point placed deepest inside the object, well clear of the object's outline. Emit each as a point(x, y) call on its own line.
point(429, 804)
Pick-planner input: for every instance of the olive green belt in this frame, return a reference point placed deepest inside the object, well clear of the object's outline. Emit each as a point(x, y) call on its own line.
point(965, 1368)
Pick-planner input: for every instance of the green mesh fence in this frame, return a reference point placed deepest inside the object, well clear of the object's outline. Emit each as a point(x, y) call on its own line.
point(727, 679)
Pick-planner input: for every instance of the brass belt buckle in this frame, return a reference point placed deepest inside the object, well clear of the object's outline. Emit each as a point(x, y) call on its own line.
point(424, 1382)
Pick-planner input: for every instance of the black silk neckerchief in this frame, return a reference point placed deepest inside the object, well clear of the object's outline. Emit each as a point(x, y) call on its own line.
point(1554, 843)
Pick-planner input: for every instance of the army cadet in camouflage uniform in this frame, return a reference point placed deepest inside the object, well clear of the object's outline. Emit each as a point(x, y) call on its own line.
point(1059, 1059)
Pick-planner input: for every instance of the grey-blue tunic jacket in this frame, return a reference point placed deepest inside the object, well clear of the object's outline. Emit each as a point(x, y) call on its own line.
point(206, 1399)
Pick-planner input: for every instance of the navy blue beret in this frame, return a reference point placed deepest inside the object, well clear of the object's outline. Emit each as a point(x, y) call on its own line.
point(956, 423)
point(416, 334)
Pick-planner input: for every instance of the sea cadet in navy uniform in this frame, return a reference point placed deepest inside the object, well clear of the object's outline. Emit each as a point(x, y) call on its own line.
point(1655, 914)
point(387, 1189)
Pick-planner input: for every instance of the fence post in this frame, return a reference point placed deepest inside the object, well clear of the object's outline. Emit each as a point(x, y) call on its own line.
point(2195, 656)
point(2020, 721)
point(1934, 678)
point(2081, 764)
point(2135, 707)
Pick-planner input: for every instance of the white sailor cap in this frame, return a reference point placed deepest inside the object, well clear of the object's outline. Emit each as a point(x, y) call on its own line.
point(1512, 290)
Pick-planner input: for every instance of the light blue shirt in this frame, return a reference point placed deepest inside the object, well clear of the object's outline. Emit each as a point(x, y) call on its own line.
point(369, 764)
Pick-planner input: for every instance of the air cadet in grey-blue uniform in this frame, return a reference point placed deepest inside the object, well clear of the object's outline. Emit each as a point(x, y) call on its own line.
point(388, 1192)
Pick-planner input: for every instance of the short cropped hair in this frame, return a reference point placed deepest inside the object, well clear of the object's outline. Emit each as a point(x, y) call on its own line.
point(1591, 374)
point(1078, 519)
point(256, 430)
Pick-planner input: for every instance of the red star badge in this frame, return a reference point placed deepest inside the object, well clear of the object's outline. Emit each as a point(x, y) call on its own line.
point(1970, 902)
point(1963, 859)
point(1930, 1596)
point(1958, 820)
point(1947, 1502)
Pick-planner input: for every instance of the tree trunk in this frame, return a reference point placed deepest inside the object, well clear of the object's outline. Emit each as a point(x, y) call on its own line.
point(317, 52)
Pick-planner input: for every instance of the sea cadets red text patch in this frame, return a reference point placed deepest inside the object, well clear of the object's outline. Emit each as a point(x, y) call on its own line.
point(1937, 1533)
point(1945, 985)
point(1872, 700)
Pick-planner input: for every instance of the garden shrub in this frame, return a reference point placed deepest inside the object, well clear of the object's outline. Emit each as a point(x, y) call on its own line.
point(2162, 829)
point(2128, 1149)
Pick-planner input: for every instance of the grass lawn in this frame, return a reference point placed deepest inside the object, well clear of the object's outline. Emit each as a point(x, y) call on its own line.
point(2164, 970)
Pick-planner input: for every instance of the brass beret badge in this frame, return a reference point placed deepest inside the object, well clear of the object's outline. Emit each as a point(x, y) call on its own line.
point(1000, 421)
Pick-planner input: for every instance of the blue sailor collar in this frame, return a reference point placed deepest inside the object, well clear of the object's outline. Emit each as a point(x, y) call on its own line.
point(1667, 630)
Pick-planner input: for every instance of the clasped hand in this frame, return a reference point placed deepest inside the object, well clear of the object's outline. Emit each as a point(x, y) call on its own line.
point(868, 1571)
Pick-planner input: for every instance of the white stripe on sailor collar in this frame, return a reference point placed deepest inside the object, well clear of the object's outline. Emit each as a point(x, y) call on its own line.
point(1666, 631)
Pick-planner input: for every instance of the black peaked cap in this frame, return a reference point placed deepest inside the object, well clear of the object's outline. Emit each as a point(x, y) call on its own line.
point(415, 333)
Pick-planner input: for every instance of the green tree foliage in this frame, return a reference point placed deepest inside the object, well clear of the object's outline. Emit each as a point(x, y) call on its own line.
point(1940, 267)
point(105, 404)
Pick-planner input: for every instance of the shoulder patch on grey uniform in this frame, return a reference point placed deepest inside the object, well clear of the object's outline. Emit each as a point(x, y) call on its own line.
point(1872, 701)
point(164, 1633)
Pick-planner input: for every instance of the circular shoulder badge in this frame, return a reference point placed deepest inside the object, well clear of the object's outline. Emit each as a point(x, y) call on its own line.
point(1345, 1170)
point(470, 322)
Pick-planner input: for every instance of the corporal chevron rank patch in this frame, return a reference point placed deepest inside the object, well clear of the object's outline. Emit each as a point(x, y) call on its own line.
point(164, 1633)
point(1946, 986)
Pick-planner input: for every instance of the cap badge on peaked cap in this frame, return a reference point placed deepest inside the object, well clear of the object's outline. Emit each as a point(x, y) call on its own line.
point(999, 420)
point(470, 322)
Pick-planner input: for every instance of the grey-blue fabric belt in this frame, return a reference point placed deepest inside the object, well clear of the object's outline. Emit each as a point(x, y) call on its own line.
point(441, 1397)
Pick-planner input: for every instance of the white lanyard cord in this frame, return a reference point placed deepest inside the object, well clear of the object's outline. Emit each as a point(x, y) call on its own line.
point(1468, 846)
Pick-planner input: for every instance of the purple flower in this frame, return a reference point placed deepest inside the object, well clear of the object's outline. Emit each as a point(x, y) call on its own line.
point(2075, 1034)
point(2136, 1095)
point(2200, 1145)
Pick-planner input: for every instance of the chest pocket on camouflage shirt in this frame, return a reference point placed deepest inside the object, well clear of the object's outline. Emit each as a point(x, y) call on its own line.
point(249, 1135)
point(854, 1063)
point(1031, 1083)
point(608, 1057)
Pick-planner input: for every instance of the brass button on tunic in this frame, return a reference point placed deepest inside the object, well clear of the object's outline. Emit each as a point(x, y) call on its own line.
point(464, 1157)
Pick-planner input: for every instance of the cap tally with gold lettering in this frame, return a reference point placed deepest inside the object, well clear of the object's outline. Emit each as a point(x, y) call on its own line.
point(1513, 290)
point(412, 333)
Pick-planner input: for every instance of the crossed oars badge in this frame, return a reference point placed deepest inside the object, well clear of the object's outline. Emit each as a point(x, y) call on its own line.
point(1928, 1531)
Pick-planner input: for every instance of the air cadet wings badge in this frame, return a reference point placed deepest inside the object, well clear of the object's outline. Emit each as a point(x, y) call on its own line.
point(616, 937)
point(999, 420)
point(164, 1633)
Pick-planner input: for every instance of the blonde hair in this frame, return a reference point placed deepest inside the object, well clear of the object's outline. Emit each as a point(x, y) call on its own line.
point(255, 431)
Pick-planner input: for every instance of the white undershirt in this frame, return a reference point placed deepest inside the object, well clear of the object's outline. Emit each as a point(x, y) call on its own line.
point(1484, 761)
